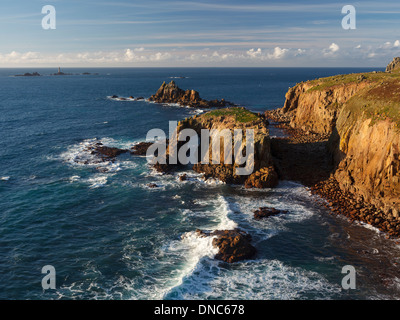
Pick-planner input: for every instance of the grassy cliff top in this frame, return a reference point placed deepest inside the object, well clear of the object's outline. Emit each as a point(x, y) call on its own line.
point(379, 100)
point(236, 113)
point(371, 77)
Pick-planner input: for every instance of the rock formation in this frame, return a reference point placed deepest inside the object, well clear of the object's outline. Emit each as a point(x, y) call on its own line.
point(34, 74)
point(171, 93)
point(265, 212)
point(107, 153)
point(140, 149)
point(394, 65)
point(234, 245)
point(229, 119)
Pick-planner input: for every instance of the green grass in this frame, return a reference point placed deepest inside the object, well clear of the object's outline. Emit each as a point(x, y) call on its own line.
point(329, 82)
point(381, 102)
point(240, 114)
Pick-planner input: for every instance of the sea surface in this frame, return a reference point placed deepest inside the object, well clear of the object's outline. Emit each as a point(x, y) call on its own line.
point(109, 236)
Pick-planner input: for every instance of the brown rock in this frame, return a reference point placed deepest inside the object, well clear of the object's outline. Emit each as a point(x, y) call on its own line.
point(234, 245)
point(140, 149)
point(265, 212)
point(264, 178)
point(171, 93)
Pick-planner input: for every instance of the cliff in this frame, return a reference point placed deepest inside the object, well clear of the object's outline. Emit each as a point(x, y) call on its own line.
point(360, 113)
point(171, 93)
point(263, 174)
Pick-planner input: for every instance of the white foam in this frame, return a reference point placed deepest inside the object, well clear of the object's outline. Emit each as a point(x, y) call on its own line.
point(74, 178)
point(97, 181)
point(195, 248)
point(255, 280)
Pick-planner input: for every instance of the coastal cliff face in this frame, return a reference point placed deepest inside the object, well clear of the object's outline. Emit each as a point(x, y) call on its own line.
point(314, 108)
point(360, 113)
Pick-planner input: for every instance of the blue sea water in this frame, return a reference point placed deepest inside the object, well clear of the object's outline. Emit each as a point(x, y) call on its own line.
point(110, 236)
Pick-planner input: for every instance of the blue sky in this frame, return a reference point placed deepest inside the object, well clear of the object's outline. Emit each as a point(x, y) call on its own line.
point(198, 33)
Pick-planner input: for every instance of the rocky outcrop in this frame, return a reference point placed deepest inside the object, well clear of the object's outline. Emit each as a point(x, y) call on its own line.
point(360, 115)
point(140, 149)
point(266, 212)
point(266, 177)
point(34, 74)
point(233, 245)
point(228, 120)
point(171, 93)
point(105, 153)
point(394, 66)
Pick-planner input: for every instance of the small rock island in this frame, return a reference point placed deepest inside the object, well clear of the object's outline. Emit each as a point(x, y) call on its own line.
point(171, 93)
point(34, 74)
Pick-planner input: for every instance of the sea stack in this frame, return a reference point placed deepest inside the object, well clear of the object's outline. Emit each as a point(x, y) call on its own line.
point(171, 93)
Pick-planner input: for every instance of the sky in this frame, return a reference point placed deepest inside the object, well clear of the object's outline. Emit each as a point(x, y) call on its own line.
point(218, 33)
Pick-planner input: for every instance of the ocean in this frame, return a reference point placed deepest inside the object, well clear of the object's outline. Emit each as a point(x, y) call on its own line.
point(110, 236)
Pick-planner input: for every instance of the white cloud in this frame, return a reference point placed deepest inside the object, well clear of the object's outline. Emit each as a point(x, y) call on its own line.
point(332, 50)
point(254, 53)
point(278, 53)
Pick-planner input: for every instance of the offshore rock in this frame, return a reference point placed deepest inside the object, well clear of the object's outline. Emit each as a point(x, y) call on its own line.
point(265, 212)
point(171, 93)
point(140, 149)
point(234, 245)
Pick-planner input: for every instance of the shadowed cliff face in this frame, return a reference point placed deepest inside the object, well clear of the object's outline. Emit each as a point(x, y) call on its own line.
point(361, 113)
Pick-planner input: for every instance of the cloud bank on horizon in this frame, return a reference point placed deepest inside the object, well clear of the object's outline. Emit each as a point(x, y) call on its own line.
point(198, 33)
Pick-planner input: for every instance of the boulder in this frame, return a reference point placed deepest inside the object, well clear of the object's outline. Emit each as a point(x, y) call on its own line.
point(264, 178)
point(234, 245)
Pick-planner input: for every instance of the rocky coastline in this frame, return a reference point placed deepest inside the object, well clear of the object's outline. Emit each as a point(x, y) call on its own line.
point(326, 147)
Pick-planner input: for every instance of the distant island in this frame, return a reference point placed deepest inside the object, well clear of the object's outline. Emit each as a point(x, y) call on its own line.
point(34, 74)
point(59, 73)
